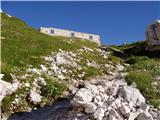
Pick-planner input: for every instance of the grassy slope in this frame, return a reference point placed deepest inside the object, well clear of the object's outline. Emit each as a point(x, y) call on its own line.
point(23, 45)
point(144, 70)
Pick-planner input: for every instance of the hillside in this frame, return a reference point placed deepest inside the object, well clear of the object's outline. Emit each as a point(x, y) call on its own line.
point(82, 80)
point(26, 54)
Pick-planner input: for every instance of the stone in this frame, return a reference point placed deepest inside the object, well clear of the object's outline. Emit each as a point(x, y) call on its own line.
point(131, 94)
point(7, 88)
point(113, 113)
point(92, 88)
point(144, 106)
point(133, 115)
point(90, 107)
point(44, 69)
point(99, 114)
point(35, 97)
point(124, 110)
point(111, 117)
point(80, 116)
point(154, 114)
point(144, 116)
point(61, 77)
point(84, 95)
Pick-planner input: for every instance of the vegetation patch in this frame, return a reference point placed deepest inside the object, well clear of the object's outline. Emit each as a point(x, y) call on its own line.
point(53, 88)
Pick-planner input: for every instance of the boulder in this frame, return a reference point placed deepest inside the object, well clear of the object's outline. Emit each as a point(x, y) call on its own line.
point(131, 94)
point(83, 95)
point(7, 88)
point(144, 116)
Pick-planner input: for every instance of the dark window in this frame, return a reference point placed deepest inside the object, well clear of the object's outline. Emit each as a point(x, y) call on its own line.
point(52, 31)
point(90, 37)
point(72, 35)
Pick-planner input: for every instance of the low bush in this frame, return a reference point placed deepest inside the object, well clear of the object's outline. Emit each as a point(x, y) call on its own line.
point(53, 88)
point(115, 59)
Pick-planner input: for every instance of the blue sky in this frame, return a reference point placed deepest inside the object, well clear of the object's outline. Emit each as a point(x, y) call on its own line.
point(115, 22)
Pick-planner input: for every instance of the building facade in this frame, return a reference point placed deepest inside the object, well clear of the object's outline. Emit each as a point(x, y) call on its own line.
point(69, 33)
point(153, 36)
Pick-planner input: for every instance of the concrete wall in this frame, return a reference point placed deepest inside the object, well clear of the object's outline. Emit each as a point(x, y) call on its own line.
point(69, 33)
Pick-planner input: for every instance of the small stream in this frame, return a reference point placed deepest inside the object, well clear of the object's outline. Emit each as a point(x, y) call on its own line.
point(53, 112)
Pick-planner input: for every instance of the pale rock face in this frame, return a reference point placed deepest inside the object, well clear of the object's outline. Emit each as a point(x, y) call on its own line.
point(131, 94)
point(41, 81)
point(35, 97)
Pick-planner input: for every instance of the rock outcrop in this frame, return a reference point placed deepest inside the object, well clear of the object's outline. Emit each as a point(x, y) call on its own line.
point(153, 35)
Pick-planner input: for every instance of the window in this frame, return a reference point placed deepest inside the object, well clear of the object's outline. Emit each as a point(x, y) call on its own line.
point(90, 37)
point(72, 35)
point(52, 31)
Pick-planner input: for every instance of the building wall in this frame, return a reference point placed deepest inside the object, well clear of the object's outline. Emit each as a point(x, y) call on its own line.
point(69, 33)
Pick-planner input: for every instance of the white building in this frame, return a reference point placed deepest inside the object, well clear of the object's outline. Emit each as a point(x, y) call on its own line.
point(69, 33)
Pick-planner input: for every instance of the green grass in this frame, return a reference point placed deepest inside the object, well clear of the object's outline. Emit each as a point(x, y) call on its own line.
point(24, 45)
point(115, 59)
point(143, 80)
point(143, 71)
point(53, 88)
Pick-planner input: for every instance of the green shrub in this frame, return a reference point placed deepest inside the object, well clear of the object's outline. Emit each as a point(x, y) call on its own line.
point(143, 80)
point(135, 59)
point(155, 102)
point(115, 59)
point(90, 72)
point(53, 88)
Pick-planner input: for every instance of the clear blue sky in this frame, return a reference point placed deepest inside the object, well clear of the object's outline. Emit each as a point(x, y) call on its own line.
point(116, 22)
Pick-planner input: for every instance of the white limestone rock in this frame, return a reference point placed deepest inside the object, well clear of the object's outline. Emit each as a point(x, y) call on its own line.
point(99, 114)
point(131, 94)
point(7, 88)
point(35, 97)
point(84, 95)
point(44, 69)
